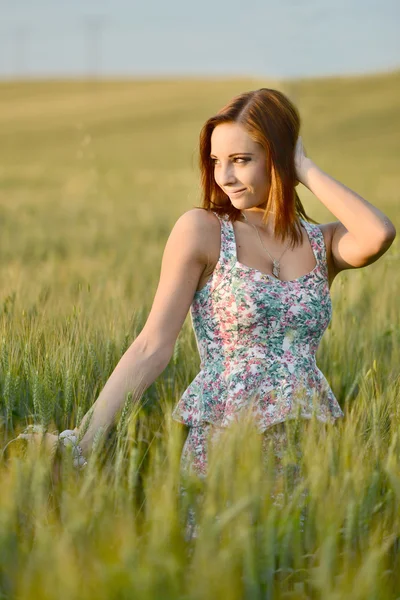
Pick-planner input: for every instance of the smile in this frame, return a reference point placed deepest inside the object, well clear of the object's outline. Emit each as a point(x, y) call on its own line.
point(237, 192)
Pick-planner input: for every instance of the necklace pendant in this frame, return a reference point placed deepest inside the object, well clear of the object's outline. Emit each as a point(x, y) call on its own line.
point(275, 269)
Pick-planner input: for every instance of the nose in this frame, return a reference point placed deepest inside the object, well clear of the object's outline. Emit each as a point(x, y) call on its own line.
point(226, 175)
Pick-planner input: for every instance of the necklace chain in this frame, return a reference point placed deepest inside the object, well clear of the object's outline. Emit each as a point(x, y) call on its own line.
point(276, 263)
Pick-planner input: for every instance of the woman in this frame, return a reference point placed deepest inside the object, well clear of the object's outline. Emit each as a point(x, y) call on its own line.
point(256, 276)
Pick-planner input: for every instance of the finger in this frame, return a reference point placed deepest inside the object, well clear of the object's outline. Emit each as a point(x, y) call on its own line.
point(33, 438)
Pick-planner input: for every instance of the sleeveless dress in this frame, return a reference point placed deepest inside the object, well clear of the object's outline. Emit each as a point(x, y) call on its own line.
point(257, 338)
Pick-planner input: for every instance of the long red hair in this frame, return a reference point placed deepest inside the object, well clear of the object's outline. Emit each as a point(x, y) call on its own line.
point(273, 121)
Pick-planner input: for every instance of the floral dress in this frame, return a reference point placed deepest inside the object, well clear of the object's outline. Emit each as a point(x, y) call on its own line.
point(257, 338)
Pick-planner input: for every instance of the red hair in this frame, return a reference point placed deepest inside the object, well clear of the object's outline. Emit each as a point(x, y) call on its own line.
point(273, 121)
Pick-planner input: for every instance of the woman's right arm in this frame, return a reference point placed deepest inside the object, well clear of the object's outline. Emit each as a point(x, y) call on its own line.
point(184, 260)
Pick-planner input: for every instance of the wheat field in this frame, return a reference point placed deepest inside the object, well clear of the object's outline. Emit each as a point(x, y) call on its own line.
point(93, 176)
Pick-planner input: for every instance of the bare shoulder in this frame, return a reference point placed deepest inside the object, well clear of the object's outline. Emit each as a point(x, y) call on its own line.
point(203, 217)
point(204, 225)
point(327, 230)
point(200, 217)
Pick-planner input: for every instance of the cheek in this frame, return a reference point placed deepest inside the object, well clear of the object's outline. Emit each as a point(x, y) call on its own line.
point(258, 176)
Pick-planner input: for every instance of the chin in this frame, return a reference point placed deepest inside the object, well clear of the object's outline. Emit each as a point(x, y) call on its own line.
point(242, 205)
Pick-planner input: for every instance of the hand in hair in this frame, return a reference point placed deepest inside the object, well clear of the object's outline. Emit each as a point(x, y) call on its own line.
point(300, 160)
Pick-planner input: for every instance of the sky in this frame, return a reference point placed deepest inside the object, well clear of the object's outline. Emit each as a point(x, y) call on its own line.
point(261, 38)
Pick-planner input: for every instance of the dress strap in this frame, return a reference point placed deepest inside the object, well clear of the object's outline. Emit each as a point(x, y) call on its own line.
point(228, 244)
point(227, 254)
point(317, 242)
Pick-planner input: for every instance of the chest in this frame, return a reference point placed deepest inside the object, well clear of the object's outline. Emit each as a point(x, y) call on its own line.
point(251, 303)
point(305, 264)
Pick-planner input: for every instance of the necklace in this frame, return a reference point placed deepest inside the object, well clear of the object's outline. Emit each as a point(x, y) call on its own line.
point(276, 263)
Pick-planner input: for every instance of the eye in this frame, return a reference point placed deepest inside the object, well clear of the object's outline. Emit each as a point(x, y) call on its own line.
point(244, 159)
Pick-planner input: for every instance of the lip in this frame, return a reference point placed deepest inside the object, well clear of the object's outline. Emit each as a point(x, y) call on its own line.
point(237, 192)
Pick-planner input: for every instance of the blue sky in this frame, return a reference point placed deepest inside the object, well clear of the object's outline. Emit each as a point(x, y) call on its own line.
point(286, 38)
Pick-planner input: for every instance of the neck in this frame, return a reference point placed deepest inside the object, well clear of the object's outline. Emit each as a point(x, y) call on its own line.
point(252, 219)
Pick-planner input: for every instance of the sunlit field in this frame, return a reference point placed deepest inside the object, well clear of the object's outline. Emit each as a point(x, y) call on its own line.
point(93, 176)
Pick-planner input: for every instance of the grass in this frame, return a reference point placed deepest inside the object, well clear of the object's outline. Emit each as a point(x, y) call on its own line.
point(93, 176)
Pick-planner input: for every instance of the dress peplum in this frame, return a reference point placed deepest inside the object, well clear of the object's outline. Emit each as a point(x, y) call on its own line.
point(257, 338)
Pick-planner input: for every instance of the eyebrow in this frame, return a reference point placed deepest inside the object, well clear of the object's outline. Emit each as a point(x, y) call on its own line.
point(236, 153)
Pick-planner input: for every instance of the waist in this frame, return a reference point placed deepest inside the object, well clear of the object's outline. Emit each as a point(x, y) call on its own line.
point(293, 359)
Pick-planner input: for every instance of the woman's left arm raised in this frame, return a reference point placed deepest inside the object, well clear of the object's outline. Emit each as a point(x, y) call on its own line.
point(363, 232)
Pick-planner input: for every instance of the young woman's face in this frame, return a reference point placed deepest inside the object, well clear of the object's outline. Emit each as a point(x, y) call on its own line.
point(246, 170)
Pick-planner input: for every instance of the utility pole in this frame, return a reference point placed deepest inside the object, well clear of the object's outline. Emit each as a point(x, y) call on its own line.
point(94, 29)
point(20, 51)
